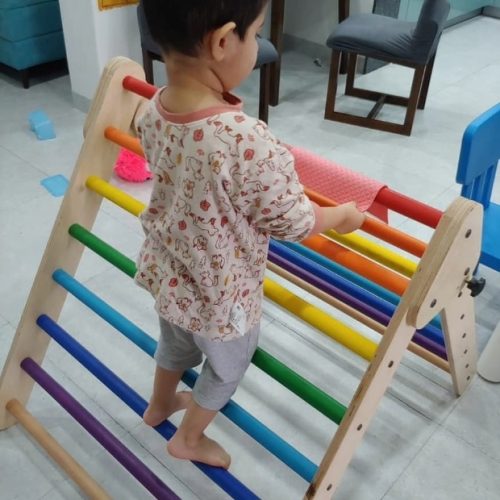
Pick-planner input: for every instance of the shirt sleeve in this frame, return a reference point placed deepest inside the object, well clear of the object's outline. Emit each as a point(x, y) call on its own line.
point(265, 187)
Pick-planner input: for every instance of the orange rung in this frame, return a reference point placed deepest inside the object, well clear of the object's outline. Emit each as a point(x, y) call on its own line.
point(377, 228)
point(124, 140)
point(355, 262)
point(371, 226)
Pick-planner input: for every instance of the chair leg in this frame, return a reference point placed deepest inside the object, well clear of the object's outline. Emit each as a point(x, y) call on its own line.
point(380, 99)
point(426, 82)
point(331, 94)
point(277, 20)
point(414, 99)
point(147, 63)
point(264, 92)
point(352, 60)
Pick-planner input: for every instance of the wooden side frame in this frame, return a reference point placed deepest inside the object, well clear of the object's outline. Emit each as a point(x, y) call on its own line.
point(110, 106)
point(440, 284)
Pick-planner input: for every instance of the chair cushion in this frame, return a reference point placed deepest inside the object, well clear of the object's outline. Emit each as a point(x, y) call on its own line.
point(377, 36)
point(267, 52)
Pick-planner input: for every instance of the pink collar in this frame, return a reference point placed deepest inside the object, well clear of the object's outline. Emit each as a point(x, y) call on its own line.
point(234, 104)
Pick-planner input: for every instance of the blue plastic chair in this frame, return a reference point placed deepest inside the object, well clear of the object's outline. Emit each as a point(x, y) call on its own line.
point(477, 167)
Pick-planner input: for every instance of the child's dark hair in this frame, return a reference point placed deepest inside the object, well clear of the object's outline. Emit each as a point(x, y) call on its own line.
point(181, 25)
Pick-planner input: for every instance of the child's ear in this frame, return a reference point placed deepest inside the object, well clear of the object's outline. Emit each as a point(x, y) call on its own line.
point(220, 39)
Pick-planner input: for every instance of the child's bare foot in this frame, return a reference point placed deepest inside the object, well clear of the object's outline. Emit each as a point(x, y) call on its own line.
point(205, 450)
point(155, 414)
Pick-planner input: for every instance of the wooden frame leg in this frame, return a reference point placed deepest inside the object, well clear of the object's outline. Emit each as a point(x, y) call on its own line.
point(439, 280)
point(462, 351)
point(97, 157)
point(264, 92)
point(147, 63)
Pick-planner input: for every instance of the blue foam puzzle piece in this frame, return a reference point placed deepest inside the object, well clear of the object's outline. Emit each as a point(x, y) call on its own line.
point(41, 125)
point(55, 185)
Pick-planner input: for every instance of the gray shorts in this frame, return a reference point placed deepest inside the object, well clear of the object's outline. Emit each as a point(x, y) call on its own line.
point(224, 366)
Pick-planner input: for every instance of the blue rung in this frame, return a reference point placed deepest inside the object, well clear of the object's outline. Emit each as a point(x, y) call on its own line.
point(222, 477)
point(299, 463)
point(430, 331)
point(355, 278)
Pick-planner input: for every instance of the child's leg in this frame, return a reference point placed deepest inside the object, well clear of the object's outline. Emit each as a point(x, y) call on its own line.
point(165, 400)
point(175, 353)
point(190, 442)
point(224, 367)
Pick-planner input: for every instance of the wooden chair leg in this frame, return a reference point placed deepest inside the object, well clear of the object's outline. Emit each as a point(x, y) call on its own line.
point(331, 94)
point(351, 72)
point(426, 82)
point(264, 92)
point(147, 63)
point(380, 99)
point(277, 22)
point(414, 99)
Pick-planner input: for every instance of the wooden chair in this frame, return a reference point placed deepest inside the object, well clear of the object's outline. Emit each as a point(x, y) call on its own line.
point(267, 55)
point(392, 40)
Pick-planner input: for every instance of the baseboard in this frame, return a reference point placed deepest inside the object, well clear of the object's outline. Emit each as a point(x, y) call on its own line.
point(316, 51)
point(491, 12)
point(80, 102)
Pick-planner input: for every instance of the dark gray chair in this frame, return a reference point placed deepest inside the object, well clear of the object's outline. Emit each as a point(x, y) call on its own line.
point(391, 40)
point(266, 56)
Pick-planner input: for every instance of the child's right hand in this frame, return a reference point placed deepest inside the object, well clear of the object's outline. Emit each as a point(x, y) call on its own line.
point(352, 218)
point(344, 218)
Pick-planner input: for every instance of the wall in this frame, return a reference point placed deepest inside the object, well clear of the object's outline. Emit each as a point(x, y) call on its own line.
point(314, 20)
point(92, 37)
point(410, 9)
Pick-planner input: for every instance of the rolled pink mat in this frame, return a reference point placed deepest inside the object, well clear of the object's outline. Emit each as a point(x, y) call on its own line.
point(337, 182)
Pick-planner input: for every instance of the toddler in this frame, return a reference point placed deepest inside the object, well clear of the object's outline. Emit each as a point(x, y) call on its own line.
point(223, 185)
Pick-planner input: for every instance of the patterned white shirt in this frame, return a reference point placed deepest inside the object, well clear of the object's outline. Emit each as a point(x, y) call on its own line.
point(223, 185)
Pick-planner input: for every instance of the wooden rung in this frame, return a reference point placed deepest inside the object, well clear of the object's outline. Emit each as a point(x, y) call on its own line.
point(377, 107)
point(74, 470)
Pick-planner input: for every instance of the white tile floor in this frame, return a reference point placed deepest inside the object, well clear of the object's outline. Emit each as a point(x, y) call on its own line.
point(423, 443)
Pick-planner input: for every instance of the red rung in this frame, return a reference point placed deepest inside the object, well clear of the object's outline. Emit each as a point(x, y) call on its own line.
point(140, 87)
point(409, 207)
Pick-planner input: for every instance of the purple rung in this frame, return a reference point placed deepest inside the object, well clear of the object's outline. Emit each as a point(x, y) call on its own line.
point(146, 477)
point(353, 302)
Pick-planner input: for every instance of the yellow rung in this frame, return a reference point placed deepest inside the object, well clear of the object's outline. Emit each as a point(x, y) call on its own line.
point(378, 253)
point(325, 323)
point(116, 195)
point(315, 317)
point(362, 245)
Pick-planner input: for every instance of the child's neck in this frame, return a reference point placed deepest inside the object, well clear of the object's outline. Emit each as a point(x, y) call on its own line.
point(191, 89)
